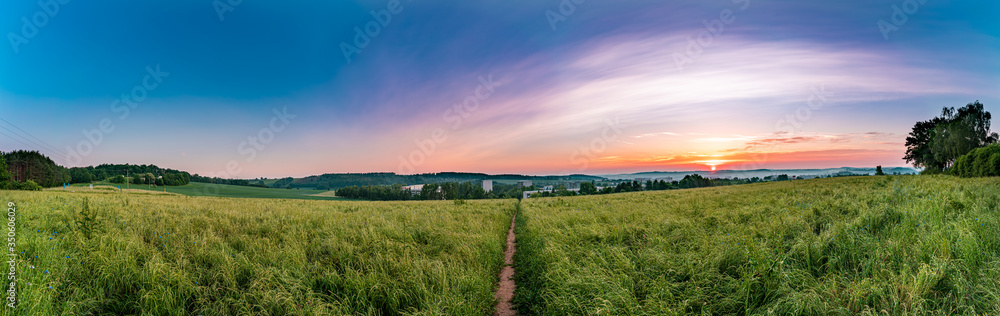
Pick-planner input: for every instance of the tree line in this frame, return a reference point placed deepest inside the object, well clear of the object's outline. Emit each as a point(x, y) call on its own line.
point(138, 174)
point(216, 180)
point(688, 182)
point(431, 191)
point(473, 191)
point(341, 180)
point(30, 170)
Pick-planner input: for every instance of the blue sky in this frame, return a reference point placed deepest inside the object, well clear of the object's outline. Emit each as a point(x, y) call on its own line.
point(556, 90)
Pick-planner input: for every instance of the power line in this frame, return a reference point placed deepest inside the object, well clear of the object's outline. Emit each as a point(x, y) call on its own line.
point(35, 144)
point(32, 136)
point(23, 143)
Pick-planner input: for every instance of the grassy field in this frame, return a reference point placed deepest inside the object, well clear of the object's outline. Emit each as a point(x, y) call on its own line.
point(893, 245)
point(871, 245)
point(223, 190)
point(111, 253)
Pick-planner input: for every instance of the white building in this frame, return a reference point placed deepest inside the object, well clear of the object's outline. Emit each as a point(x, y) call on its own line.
point(488, 185)
point(414, 189)
point(524, 183)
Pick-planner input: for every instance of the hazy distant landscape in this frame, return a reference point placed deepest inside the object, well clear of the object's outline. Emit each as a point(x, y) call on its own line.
point(763, 173)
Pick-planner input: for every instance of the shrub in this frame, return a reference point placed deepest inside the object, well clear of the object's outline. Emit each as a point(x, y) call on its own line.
point(981, 162)
point(29, 186)
point(117, 179)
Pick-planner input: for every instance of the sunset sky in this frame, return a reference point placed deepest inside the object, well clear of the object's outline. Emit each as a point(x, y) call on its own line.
point(532, 87)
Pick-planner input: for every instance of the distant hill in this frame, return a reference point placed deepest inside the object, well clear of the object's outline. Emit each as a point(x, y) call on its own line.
point(677, 175)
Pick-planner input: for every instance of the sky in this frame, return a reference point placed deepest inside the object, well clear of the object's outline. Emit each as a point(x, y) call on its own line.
point(247, 89)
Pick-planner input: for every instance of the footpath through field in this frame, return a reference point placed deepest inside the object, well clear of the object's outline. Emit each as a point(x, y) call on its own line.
point(506, 286)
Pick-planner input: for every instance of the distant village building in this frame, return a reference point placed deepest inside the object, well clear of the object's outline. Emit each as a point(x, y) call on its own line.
point(524, 183)
point(527, 194)
point(417, 188)
point(573, 185)
point(488, 185)
point(414, 189)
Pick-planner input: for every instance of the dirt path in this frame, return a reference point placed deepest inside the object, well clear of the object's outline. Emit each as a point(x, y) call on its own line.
point(505, 288)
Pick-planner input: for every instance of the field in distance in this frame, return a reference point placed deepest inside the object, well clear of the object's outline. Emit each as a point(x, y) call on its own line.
point(221, 190)
point(108, 253)
point(868, 245)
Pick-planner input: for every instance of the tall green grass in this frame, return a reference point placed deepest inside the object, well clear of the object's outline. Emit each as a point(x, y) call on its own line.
point(173, 255)
point(214, 190)
point(871, 245)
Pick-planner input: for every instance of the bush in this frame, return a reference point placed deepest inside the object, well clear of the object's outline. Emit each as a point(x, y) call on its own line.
point(980, 162)
point(29, 186)
point(931, 171)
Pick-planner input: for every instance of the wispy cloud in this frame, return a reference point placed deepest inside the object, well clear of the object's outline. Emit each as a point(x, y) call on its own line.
point(656, 134)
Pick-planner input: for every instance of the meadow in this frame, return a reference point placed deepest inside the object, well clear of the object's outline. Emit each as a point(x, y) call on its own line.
point(153, 254)
point(220, 190)
point(890, 245)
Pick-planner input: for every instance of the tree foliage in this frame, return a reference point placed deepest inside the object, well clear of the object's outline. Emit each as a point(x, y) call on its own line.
point(431, 191)
point(244, 182)
point(981, 162)
point(25, 165)
point(936, 144)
